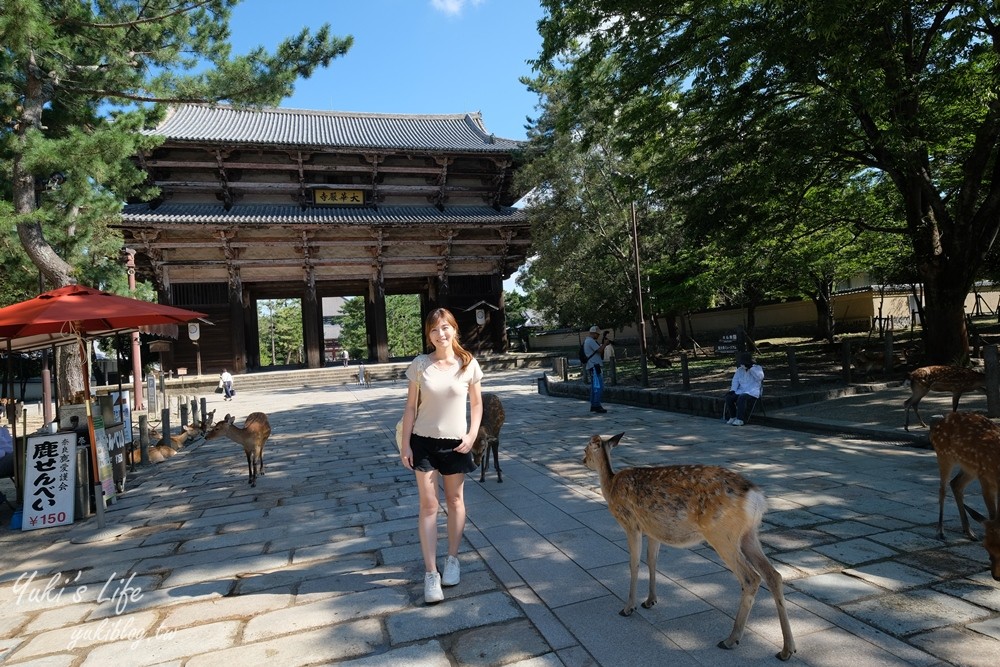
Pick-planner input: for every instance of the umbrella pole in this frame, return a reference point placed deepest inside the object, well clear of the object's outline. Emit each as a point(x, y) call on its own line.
point(98, 488)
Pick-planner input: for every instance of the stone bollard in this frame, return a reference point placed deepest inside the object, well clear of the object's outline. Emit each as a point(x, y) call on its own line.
point(195, 419)
point(204, 409)
point(144, 440)
point(184, 415)
point(887, 359)
point(793, 369)
point(846, 360)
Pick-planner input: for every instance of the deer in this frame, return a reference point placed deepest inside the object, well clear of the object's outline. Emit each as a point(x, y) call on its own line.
point(954, 379)
point(684, 505)
point(255, 432)
point(868, 361)
point(972, 442)
point(488, 437)
point(156, 453)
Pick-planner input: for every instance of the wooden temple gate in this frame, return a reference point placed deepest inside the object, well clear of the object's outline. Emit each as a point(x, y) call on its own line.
point(276, 203)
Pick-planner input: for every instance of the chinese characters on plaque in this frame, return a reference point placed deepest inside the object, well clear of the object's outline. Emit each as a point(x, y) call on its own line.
point(331, 196)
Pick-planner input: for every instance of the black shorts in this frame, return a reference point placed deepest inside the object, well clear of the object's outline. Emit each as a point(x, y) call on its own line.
point(439, 454)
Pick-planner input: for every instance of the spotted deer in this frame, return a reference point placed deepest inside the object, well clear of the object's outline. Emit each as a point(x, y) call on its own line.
point(972, 442)
point(684, 505)
point(489, 436)
point(954, 379)
point(255, 432)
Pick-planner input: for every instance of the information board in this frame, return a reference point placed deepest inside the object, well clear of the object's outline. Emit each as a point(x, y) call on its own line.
point(104, 461)
point(49, 481)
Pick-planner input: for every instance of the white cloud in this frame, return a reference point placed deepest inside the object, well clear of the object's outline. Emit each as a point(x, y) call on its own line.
point(453, 7)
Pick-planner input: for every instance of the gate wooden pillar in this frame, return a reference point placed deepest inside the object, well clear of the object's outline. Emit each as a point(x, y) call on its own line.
point(375, 324)
point(312, 327)
point(237, 326)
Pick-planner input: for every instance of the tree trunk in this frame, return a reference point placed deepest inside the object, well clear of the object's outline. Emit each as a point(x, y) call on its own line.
point(56, 271)
point(946, 338)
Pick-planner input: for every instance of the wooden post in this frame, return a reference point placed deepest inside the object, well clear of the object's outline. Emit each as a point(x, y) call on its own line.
point(793, 369)
point(184, 415)
point(165, 425)
point(992, 381)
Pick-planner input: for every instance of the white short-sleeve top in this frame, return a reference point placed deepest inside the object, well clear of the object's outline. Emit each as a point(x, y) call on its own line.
point(441, 412)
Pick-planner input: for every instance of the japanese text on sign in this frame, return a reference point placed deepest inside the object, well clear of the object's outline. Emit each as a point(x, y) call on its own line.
point(50, 476)
point(340, 197)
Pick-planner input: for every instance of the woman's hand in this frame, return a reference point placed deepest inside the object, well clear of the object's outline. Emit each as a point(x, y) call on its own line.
point(465, 446)
point(406, 454)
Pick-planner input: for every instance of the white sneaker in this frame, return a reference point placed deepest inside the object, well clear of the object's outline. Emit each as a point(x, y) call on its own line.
point(737, 422)
point(731, 420)
point(451, 572)
point(432, 588)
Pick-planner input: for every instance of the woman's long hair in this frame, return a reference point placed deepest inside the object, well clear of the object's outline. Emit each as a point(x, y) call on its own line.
point(436, 316)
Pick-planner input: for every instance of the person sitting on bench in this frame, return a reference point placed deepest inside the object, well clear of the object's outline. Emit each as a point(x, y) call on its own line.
point(744, 391)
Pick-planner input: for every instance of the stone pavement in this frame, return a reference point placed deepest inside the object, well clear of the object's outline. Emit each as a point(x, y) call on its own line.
point(320, 563)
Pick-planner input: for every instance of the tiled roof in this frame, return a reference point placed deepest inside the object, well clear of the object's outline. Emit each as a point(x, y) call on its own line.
point(282, 214)
point(341, 129)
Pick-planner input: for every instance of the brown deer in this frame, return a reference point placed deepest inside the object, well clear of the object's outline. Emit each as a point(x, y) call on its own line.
point(489, 436)
point(157, 454)
point(683, 505)
point(955, 379)
point(255, 432)
point(972, 442)
point(870, 361)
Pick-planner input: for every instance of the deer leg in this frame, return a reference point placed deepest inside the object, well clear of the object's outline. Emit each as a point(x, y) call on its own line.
point(652, 551)
point(942, 492)
point(958, 484)
point(496, 459)
point(732, 555)
point(760, 562)
point(484, 463)
point(991, 496)
point(634, 536)
point(954, 401)
point(260, 462)
point(253, 481)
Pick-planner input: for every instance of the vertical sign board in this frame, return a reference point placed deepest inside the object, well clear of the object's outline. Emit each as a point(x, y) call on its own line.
point(104, 461)
point(122, 410)
point(49, 481)
point(116, 453)
point(151, 394)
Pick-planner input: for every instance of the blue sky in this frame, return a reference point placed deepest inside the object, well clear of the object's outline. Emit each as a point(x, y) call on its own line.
point(411, 56)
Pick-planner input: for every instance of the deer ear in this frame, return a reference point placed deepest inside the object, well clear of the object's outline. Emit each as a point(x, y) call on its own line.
point(975, 515)
point(613, 440)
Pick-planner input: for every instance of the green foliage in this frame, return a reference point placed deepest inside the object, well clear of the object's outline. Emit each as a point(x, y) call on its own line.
point(81, 79)
point(280, 327)
point(749, 110)
point(403, 322)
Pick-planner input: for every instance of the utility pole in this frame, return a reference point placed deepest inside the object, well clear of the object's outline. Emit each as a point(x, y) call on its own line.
point(643, 367)
point(128, 254)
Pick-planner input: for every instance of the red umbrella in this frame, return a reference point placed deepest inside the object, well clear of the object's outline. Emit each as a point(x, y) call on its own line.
point(75, 312)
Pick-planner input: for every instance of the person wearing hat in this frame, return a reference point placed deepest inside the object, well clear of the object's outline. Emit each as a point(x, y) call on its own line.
point(594, 352)
point(745, 390)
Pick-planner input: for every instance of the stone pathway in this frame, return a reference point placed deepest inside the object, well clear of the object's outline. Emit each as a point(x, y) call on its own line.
point(320, 563)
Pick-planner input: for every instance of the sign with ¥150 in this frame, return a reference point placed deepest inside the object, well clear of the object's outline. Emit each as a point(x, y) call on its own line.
point(49, 480)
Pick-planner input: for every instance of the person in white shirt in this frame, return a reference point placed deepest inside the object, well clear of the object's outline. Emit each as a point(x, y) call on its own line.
point(744, 390)
point(227, 384)
point(437, 440)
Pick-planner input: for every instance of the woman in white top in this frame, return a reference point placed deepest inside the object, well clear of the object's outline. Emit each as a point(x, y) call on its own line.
point(437, 439)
